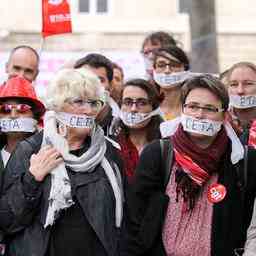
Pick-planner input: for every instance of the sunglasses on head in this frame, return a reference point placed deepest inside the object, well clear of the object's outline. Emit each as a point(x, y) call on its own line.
point(20, 108)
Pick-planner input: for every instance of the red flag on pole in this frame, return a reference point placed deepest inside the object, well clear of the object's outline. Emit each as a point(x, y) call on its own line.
point(56, 17)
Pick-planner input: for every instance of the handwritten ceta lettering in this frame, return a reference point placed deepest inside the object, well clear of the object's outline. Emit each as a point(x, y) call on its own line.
point(210, 128)
point(251, 100)
point(243, 101)
point(72, 121)
point(80, 121)
point(199, 126)
point(15, 124)
point(10, 124)
point(169, 80)
point(133, 117)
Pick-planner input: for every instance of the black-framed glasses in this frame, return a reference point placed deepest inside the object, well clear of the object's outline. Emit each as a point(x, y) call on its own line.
point(207, 109)
point(149, 53)
point(20, 108)
point(139, 103)
point(171, 65)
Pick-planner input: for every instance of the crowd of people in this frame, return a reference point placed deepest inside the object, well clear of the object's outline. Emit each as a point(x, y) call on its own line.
point(103, 166)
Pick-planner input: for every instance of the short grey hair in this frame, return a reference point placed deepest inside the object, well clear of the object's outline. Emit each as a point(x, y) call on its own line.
point(73, 83)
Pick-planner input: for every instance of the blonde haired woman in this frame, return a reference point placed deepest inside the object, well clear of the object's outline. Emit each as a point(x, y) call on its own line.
point(63, 185)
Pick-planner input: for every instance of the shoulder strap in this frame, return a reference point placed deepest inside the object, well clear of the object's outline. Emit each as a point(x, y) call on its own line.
point(241, 170)
point(245, 167)
point(167, 158)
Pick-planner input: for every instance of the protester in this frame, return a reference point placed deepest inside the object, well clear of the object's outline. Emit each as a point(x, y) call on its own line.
point(62, 188)
point(250, 245)
point(117, 83)
point(23, 61)
point(241, 83)
point(139, 122)
point(168, 73)
point(100, 65)
point(151, 43)
point(20, 111)
point(195, 205)
point(103, 68)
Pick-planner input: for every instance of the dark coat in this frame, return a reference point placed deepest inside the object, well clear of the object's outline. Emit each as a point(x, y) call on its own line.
point(2, 143)
point(147, 205)
point(24, 204)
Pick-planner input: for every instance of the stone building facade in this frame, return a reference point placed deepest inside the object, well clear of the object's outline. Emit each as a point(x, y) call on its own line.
point(121, 25)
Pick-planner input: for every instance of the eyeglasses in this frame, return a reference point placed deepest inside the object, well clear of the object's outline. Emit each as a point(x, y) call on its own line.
point(139, 103)
point(79, 103)
point(171, 65)
point(194, 108)
point(20, 108)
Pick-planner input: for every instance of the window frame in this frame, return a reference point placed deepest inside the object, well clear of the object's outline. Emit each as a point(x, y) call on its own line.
point(181, 8)
point(93, 8)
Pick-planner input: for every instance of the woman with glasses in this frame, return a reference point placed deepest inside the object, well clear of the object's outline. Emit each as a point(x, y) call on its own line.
point(195, 205)
point(63, 186)
point(151, 43)
point(139, 121)
point(169, 70)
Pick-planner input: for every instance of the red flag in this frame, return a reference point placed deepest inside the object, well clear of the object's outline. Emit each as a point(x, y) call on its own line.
point(56, 17)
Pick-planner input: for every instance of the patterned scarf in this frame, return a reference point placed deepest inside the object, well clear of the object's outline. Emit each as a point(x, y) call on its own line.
point(199, 163)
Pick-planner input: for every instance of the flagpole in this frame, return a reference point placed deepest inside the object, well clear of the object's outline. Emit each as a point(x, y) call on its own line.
point(41, 47)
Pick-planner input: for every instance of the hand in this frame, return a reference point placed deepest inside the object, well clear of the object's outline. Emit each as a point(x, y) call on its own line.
point(44, 162)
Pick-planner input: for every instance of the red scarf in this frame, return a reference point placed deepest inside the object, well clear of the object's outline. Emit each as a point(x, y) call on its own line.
point(130, 156)
point(252, 135)
point(199, 163)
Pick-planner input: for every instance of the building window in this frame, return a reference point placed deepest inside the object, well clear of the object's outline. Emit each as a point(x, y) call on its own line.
point(84, 6)
point(184, 6)
point(102, 6)
point(94, 6)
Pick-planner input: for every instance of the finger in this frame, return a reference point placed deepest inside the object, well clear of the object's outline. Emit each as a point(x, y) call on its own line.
point(45, 148)
point(53, 164)
point(48, 153)
point(54, 155)
point(33, 159)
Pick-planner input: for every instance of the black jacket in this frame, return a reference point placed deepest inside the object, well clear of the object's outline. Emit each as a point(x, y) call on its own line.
point(147, 204)
point(24, 203)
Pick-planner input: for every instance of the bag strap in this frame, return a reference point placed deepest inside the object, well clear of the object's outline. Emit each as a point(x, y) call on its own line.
point(245, 166)
point(167, 158)
point(242, 169)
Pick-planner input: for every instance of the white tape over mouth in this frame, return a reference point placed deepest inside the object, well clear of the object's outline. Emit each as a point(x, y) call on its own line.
point(75, 121)
point(200, 126)
point(242, 102)
point(173, 79)
point(23, 124)
point(134, 118)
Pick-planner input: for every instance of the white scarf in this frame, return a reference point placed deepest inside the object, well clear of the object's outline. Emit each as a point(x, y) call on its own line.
point(60, 194)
